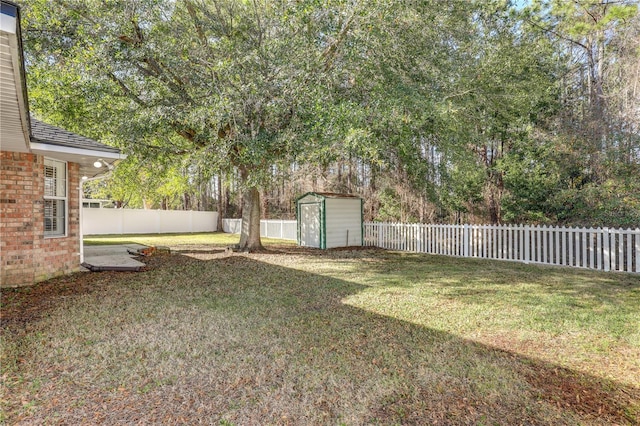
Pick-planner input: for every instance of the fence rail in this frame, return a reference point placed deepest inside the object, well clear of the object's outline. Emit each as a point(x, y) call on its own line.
point(600, 248)
point(282, 229)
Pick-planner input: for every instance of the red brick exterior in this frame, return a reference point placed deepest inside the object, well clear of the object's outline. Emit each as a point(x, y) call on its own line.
point(26, 256)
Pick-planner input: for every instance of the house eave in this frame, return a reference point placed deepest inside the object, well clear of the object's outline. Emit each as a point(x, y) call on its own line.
point(15, 106)
point(84, 157)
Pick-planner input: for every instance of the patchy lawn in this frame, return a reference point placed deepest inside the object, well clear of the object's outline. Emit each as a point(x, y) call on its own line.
point(298, 336)
point(179, 241)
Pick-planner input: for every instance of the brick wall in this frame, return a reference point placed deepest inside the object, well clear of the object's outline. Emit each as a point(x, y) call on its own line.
point(26, 256)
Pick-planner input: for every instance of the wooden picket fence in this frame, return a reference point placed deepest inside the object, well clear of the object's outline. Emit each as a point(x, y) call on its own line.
point(603, 249)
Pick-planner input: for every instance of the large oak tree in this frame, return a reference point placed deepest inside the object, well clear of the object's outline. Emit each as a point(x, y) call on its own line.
point(231, 82)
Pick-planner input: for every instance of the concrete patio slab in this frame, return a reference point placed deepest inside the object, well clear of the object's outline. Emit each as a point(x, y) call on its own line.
point(112, 258)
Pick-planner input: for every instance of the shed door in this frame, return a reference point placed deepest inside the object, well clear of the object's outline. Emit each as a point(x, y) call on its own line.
point(310, 225)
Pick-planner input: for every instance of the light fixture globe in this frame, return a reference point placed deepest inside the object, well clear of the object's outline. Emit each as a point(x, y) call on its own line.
point(97, 164)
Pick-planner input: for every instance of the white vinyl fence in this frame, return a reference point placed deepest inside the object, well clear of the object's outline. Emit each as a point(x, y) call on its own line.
point(601, 248)
point(282, 229)
point(132, 221)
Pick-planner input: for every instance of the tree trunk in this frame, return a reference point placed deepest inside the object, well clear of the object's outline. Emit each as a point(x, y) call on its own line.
point(265, 205)
point(221, 209)
point(250, 231)
point(186, 201)
point(493, 199)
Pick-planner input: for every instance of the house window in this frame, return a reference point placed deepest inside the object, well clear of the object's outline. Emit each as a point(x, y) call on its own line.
point(55, 198)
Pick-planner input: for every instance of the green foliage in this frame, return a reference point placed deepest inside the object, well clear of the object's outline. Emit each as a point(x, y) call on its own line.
point(595, 135)
point(489, 113)
point(531, 179)
point(390, 206)
point(613, 203)
point(464, 188)
point(230, 78)
point(224, 82)
point(141, 184)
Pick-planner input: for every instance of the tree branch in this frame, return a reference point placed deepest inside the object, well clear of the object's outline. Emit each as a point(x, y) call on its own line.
point(557, 34)
point(331, 51)
point(194, 17)
point(128, 92)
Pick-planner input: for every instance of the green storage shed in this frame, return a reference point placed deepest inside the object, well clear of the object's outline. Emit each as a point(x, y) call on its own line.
point(328, 220)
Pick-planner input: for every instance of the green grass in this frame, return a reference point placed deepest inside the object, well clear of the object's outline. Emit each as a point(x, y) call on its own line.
point(310, 337)
point(216, 239)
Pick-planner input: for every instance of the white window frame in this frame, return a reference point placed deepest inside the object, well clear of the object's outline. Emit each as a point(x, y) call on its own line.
point(59, 165)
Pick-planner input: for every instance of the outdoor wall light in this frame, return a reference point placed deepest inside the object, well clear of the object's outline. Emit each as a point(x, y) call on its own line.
point(99, 163)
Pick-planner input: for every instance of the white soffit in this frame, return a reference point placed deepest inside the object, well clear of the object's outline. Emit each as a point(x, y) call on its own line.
point(84, 157)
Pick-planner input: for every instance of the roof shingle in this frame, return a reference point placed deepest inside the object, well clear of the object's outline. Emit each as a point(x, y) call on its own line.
point(46, 133)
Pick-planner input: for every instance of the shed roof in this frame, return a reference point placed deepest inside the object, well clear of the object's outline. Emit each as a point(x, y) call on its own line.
point(52, 135)
point(330, 195)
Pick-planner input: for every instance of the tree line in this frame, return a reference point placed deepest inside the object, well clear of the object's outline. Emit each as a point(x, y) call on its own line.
point(446, 112)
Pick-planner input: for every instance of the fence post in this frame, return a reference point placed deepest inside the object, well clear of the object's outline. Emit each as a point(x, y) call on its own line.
point(629, 236)
point(607, 247)
point(465, 239)
point(521, 243)
point(620, 257)
point(571, 240)
point(527, 237)
point(637, 237)
point(592, 248)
